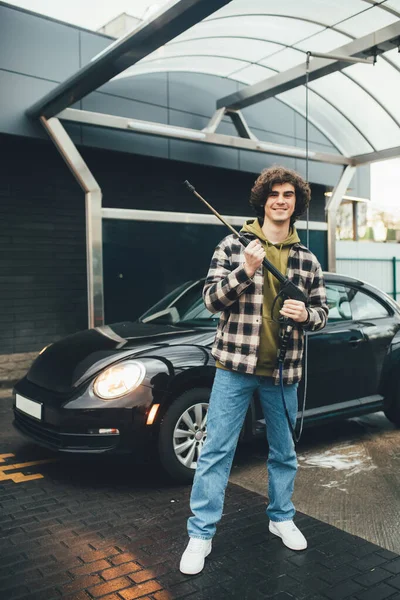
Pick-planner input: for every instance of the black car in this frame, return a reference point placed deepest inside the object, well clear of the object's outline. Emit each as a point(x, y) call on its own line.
point(141, 385)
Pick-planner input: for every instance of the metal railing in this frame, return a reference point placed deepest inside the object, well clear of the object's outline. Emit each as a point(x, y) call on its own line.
point(380, 272)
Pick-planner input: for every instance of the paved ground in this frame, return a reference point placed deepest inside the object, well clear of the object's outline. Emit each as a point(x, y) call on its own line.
point(102, 529)
point(348, 476)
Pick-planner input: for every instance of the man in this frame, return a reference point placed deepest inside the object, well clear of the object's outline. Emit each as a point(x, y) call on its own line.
point(245, 349)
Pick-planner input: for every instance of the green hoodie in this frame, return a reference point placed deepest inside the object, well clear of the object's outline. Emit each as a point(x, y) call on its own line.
point(277, 254)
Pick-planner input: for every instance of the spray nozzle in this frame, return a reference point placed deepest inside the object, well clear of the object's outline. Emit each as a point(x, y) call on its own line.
point(189, 185)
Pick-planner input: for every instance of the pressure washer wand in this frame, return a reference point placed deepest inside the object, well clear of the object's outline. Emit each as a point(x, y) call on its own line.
point(287, 287)
point(289, 290)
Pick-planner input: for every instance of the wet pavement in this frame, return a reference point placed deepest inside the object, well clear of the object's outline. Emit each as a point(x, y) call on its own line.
point(349, 476)
point(88, 529)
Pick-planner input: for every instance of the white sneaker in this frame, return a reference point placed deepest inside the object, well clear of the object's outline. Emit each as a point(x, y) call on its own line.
point(290, 534)
point(192, 561)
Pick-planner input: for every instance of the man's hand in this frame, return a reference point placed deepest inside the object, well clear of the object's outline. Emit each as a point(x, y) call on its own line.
point(294, 309)
point(254, 254)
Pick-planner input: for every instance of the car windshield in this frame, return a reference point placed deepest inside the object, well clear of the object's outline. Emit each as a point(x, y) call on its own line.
point(183, 306)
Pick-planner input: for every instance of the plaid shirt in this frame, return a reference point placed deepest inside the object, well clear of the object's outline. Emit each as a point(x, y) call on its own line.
point(240, 300)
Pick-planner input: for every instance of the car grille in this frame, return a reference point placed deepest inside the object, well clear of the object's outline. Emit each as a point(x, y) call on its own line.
point(46, 434)
point(51, 437)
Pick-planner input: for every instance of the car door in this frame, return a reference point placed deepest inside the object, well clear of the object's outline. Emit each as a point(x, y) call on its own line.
point(336, 354)
point(379, 327)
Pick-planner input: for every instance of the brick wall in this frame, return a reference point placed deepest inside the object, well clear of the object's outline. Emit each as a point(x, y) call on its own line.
point(42, 227)
point(42, 246)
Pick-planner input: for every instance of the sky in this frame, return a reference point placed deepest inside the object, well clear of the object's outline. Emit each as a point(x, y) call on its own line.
point(93, 14)
point(385, 185)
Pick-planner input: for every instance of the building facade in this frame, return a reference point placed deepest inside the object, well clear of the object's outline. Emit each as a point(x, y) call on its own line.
point(42, 230)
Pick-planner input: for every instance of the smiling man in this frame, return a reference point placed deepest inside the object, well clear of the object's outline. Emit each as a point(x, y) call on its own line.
point(246, 347)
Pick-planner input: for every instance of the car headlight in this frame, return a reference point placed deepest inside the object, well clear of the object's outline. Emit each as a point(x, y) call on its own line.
point(119, 380)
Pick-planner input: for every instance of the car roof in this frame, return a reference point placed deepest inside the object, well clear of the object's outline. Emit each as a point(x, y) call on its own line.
point(337, 277)
point(345, 279)
point(328, 275)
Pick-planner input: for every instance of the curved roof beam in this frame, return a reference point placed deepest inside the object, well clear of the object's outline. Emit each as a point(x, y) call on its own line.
point(342, 114)
point(227, 36)
point(322, 130)
point(319, 23)
point(248, 63)
point(232, 77)
point(348, 76)
point(233, 37)
point(383, 39)
point(283, 16)
point(322, 24)
point(339, 147)
point(364, 89)
point(383, 6)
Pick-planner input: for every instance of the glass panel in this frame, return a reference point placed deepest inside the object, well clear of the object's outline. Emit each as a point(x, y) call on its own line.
point(327, 12)
point(183, 306)
point(338, 303)
point(328, 120)
point(280, 30)
point(395, 4)
point(231, 47)
point(285, 59)
point(199, 64)
point(163, 272)
point(383, 81)
point(167, 300)
point(253, 74)
point(367, 22)
point(198, 313)
point(364, 306)
point(362, 110)
point(325, 41)
point(394, 57)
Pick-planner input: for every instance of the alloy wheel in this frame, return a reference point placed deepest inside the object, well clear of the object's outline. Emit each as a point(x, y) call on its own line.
point(190, 433)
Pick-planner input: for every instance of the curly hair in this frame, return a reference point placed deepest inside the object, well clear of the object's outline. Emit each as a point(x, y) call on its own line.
point(278, 175)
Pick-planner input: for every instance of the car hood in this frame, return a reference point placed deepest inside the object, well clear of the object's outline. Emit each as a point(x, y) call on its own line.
point(70, 362)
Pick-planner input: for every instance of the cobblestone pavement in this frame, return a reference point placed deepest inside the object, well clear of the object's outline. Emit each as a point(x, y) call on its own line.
point(88, 529)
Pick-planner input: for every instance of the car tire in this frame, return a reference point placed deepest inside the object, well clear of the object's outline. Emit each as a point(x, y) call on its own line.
point(392, 404)
point(182, 434)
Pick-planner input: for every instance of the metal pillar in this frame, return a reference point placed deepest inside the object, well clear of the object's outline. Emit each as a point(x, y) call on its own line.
point(331, 210)
point(93, 196)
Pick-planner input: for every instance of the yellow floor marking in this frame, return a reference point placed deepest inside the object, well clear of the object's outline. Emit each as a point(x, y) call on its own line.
point(27, 464)
point(3, 456)
point(18, 477)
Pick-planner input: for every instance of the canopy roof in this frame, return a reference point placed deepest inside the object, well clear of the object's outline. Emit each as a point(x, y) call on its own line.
point(262, 44)
point(356, 108)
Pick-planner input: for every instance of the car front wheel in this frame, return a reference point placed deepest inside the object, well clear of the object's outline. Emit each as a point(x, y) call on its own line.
point(183, 431)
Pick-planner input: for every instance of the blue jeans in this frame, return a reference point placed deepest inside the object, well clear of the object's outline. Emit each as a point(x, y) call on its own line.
point(229, 401)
